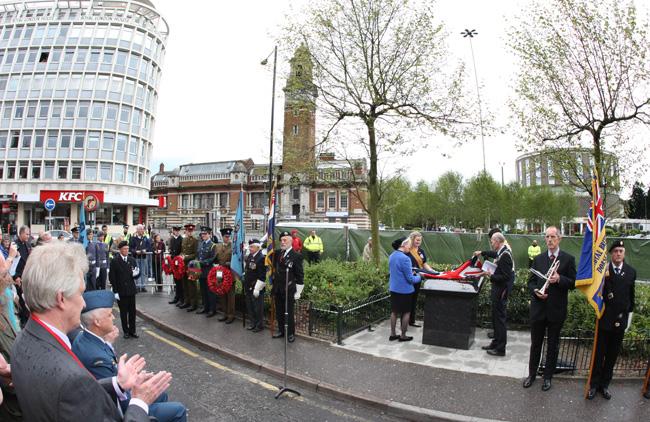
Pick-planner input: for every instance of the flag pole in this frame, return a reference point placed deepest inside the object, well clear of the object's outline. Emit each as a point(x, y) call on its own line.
point(594, 240)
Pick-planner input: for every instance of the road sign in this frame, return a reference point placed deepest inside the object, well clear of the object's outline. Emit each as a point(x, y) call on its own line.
point(49, 204)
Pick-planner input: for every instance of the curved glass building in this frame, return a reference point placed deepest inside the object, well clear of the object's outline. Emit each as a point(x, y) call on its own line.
point(78, 92)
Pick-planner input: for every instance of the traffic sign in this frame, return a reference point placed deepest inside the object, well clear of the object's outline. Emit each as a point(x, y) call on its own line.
point(49, 204)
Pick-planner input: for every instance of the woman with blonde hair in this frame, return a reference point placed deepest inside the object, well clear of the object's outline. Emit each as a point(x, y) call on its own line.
point(418, 260)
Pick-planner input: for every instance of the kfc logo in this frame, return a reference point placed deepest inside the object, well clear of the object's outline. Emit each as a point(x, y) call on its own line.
point(71, 195)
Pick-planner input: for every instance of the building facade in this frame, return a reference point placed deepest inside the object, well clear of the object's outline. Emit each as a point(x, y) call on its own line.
point(78, 92)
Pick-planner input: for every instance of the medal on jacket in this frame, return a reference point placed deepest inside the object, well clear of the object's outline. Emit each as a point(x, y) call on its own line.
point(252, 265)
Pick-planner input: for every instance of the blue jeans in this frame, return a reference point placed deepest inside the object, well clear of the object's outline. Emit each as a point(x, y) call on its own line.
point(163, 410)
point(144, 264)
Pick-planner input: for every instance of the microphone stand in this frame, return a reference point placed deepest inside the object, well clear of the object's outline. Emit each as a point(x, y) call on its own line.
point(284, 388)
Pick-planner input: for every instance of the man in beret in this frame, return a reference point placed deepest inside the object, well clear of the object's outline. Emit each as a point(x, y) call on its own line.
point(189, 246)
point(175, 245)
point(122, 274)
point(287, 285)
point(254, 284)
point(223, 257)
point(205, 256)
point(618, 295)
point(94, 348)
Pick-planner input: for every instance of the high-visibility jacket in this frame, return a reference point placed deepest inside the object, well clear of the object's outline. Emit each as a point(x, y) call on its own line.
point(533, 251)
point(313, 244)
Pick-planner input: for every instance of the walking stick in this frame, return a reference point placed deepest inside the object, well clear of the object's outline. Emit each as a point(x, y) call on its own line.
point(284, 388)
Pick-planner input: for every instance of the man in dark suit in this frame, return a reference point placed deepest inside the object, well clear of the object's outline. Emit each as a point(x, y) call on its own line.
point(24, 250)
point(502, 281)
point(548, 311)
point(123, 273)
point(175, 243)
point(93, 347)
point(287, 284)
point(51, 383)
point(618, 295)
point(254, 284)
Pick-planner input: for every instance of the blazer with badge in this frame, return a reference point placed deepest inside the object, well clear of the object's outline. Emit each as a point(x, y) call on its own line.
point(504, 275)
point(206, 256)
point(254, 270)
point(554, 307)
point(618, 294)
point(189, 246)
point(52, 386)
point(293, 261)
point(121, 275)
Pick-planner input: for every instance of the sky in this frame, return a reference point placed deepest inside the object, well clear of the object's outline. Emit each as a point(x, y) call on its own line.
point(215, 96)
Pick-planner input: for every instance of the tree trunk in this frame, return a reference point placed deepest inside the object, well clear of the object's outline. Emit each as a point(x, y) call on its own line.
point(373, 191)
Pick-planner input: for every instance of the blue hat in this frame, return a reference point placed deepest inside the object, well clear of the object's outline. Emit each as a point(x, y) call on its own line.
point(97, 299)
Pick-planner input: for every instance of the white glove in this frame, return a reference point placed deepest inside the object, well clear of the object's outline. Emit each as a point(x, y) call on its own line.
point(629, 321)
point(117, 296)
point(136, 272)
point(259, 285)
point(299, 288)
point(97, 272)
point(93, 262)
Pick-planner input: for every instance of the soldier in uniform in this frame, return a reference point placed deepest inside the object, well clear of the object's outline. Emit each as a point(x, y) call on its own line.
point(287, 280)
point(188, 252)
point(175, 244)
point(254, 283)
point(618, 295)
point(206, 256)
point(75, 235)
point(223, 256)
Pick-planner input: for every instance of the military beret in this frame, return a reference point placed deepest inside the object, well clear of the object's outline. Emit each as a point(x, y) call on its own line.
point(122, 244)
point(205, 229)
point(75, 230)
point(254, 242)
point(616, 244)
point(284, 233)
point(226, 232)
point(397, 243)
point(97, 299)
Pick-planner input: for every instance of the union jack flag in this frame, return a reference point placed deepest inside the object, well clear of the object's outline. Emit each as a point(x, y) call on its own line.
point(270, 237)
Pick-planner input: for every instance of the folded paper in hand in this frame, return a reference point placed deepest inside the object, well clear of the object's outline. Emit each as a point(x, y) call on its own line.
point(489, 267)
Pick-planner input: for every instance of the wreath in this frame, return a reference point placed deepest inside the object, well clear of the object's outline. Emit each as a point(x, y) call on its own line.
point(194, 270)
point(220, 285)
point(175, 266)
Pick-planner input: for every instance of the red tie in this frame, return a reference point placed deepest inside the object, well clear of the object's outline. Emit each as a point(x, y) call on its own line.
point(552, 257)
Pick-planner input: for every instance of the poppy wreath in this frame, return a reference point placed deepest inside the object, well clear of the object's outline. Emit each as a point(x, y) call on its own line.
point(194, 270)
point(177, 267)
point(167, 265)
point(220, 286)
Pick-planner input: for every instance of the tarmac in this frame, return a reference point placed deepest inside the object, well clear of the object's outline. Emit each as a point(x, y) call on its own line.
point(407, 388)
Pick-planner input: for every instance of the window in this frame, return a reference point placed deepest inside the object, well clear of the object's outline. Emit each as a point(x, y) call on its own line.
point(69, 110)
point(52, 137)
point(76, 170)
point(320, 200)
point(3, 141)
point(93, 140)
point(184, 199)
point(119, 172)
point(258, 199)
point(63, 170)
point(295, 194)
point(31, 110)
point(90, 171)
point(108, 141)
point(27, 140)
point(15, 136)
point(44, 57)
point(294, 129)
point(65, 139)
point(106, 170)
point(98, 111)
point(331, 201)
point(57, 107)
point(121, 143)
point(133, 148)
point(343, 199)
point(108, 57)
point(83, 110)
point(11, 170)
point(49, 170)
point(79, 139)
point(39, 139)
point(131, 175)
point(44, 110)
point(22, 171)
point(223, 200)
point(125, 114)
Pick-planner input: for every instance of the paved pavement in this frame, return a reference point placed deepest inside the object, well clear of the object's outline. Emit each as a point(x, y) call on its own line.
point(406, 389)
point(475, 360)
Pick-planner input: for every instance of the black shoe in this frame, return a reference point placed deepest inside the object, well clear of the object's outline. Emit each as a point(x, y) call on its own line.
point(489, 346)
point(392, 338)
point(211, 314)
point(278, 335)
point(605, 392)
point(134, 335)
point(495, 352)
point(414, 325)
point(222, 319)
point(647, 394)
point(173, 302)
point(490, 334)
point(179, 304)
point(405, 338)
point(591, 394)
point(126, 335)
point(250, 327)
point(184, 306)
point(257, 329)
point(192, 309)
point(291, 338)
point(202, 311)
point(230, 321)
point(546, 385)
point(529, 381)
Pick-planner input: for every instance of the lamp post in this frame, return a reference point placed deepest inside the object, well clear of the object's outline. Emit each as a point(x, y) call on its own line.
point(470, 33)
point(270, 183)
point(502, 163)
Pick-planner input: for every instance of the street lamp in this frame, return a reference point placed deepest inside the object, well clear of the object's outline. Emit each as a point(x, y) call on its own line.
point(470, 33)
point(264, 63)
point(502, 163)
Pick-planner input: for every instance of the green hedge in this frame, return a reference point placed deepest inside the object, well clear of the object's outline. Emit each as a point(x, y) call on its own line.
point(339, 283)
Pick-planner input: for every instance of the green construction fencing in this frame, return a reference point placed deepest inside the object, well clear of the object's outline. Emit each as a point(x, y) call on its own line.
point(455, 248)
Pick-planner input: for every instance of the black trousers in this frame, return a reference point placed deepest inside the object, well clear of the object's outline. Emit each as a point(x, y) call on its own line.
point(607, 349)
point(91, 281)
point(499, 295)
point(178, 295)
point(127, 313)
point(101, 280)
point(313, 257)
point(255, 309)
point(209, 298)
point(537, 331)
point(279, 313)
point(414, 302)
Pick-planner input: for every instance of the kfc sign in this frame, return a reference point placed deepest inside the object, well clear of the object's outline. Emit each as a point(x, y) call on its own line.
point(71, 195)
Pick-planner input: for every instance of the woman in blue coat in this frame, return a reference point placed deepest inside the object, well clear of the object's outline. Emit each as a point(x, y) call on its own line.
point(401, 282)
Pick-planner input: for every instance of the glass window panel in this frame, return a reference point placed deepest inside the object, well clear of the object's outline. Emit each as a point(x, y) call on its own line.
point(98, 111)
point(90, 171)
point(120, 170)
point(39, 139)
point(111, 112)
point(49, 170)
point(27, 140)
point(70, 109)
point(79, 140)
point(52, 138)
point(107, 141)
point(83, 110)
point(65, 139)
point(106, 170)
point(44, 110)
point(36, 170)
point(121, 142)
point(76, 170)
point(93, 140)
point(63, 170)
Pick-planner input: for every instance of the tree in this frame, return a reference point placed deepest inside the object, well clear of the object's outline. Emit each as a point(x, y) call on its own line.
point(449, 193)
point(546, 206)
point(637, 205)
point(395, 208)
point(583, 79)
point(381, 63)
point(482, 199)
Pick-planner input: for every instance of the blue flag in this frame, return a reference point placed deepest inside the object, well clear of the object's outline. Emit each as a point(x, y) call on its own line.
point(593, 258)
point(270, 239)
point(238, 235)
point(82, 225)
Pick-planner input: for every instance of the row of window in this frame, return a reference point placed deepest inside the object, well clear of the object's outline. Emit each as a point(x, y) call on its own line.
point(108, 113)
point(73, 170)
point(60, 142)
point(82, 33)
point(104, 214)
point(332, 200)
point(528, 168)
point(336, 200)
point(206, 201)
point(80, 59)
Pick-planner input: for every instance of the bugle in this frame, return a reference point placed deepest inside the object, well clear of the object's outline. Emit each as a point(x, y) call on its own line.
point(546, 276)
